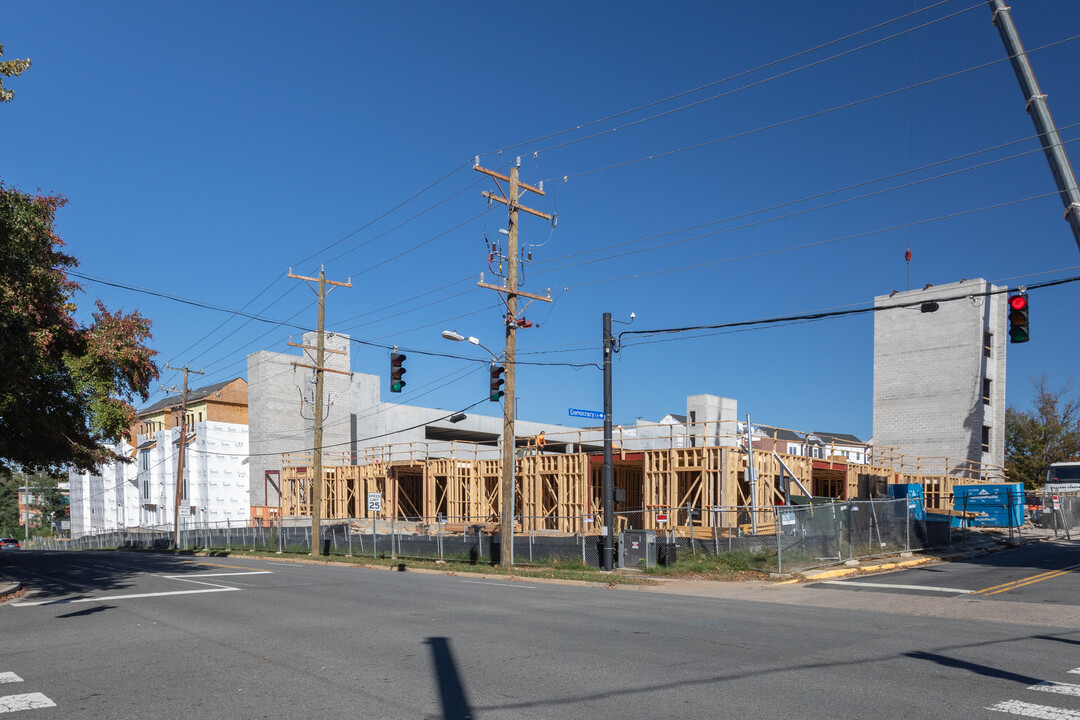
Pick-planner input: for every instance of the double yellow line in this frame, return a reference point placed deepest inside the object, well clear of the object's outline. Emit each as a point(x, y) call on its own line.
point(1048, 575)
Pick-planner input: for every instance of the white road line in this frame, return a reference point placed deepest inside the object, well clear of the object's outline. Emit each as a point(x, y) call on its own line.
point(224, 574)
point(928, 588)
point(27, 701)
point(108, 598)
point(499, 584)
point(9, 677)
point(1056, 687)
point(1040, 712)
point(1075, 671)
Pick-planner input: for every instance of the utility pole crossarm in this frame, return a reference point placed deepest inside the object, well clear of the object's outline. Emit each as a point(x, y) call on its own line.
point(310, 347)
point(504, 178)
point(516, 206)
point(323, 369)
point(315, 280)
point(522, 293)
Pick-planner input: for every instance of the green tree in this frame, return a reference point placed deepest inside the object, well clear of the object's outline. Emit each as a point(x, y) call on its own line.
point(1048, 434)
point(10, 524)
point(10, 68)
point(67, 388)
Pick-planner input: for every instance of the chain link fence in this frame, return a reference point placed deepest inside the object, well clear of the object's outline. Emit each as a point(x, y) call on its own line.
point(785, 538)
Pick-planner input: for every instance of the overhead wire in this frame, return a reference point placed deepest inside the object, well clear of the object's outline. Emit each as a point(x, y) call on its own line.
point(801, 118)
point(721, 81)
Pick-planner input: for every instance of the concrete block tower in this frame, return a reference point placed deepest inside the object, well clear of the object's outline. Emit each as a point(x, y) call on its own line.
point(939, 376)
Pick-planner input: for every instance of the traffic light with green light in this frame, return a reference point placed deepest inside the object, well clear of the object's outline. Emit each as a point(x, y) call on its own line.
point(495, 386)
point(397, 371)
point(1018, 318)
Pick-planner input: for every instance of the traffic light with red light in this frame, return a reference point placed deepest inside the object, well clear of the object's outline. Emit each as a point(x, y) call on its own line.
point(495, 392)
point(397, 371)
point(1019, 332)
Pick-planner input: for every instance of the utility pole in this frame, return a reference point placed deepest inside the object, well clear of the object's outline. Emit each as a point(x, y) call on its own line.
point(609, 466)
point(506, 510)
point(1040, 115)
point(183, 445)
point(319, 368)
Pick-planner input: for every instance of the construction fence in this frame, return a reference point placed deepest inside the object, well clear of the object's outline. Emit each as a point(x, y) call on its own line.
point(783, 538)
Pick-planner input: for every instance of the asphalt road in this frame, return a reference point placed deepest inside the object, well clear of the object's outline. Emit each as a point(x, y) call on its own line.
point(1047, 572)
point(125, 635)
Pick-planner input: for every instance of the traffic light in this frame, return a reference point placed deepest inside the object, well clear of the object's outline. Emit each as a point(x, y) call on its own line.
point(1018, 318)
point(397, 371)
point(495, 387)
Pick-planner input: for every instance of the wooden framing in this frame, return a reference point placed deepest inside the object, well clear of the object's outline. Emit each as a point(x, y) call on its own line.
point(561, 493)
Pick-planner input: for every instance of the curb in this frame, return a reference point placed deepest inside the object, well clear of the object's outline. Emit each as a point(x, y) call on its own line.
point(8, 588)
point(865, 570)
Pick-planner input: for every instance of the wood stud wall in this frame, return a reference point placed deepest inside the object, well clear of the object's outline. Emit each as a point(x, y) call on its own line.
point(561, 493)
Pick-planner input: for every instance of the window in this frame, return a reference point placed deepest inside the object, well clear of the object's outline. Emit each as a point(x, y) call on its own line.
point(986, 391)
point(146, 488)
point(144, 460)
point(988, 343)
point(986, 439)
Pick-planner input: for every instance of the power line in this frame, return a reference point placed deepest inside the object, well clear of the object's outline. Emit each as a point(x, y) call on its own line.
point(638, 276)
point(808, 116)
point(738, 75)
point(838, 313)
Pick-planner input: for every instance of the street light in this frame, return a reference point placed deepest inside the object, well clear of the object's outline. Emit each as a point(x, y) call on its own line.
point(458, 337)
point(506, 507)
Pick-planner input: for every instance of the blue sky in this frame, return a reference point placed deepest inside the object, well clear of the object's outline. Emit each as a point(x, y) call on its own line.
point(206, 148)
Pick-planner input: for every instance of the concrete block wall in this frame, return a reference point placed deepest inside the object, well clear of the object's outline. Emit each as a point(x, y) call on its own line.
point(281, 405)
point(929, 369)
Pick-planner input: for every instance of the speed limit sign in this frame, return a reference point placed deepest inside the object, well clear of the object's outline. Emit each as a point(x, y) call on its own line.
point(374, 502)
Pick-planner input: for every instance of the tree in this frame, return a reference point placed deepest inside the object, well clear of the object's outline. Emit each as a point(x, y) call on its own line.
point(10, 68)
point(1049, 434)
point(66, 389)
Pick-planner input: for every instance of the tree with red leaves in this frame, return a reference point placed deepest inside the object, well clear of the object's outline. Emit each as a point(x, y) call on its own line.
point(65, 388)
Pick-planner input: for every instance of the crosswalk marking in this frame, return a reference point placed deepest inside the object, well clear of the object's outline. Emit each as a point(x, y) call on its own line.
point(1057, 687)
point(1039, 712)
point(26, 701)
point(9, 677)
point(1075, 671)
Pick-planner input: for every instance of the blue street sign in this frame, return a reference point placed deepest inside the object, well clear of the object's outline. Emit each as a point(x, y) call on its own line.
point(592, 414)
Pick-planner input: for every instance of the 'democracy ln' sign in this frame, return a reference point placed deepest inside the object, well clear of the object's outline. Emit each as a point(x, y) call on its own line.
point(591, 414)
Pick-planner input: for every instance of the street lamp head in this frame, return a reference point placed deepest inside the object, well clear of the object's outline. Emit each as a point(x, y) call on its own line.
point(452, 335)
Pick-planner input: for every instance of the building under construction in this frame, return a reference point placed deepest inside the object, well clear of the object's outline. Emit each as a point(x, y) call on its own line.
point(558, 486)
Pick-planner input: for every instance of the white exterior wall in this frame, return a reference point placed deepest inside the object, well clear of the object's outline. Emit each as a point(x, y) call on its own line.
point(106, 499)
point(215, 468)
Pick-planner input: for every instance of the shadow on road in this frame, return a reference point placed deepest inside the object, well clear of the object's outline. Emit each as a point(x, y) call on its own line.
point(976, 668)
point(57, 574)
point(451, 691)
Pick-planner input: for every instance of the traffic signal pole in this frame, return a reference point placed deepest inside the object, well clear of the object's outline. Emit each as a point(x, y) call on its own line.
point(506, 485)
point(1040, 115)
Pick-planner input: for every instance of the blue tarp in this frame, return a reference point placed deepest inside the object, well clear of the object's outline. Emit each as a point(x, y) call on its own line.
point(914, 493)
point(996, 505)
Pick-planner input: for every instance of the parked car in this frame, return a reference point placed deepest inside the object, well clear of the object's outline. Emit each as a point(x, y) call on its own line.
point(9, 543)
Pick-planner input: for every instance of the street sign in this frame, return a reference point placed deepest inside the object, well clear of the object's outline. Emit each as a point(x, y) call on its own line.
point(591, 414)
point(1057, 503)
point(374, 502)
point(661, 518)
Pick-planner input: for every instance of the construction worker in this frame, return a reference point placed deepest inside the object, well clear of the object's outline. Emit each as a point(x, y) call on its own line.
point(540, 442)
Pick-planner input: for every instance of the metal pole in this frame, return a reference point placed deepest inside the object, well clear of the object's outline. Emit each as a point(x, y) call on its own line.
point(1040, 115)
point(608, 560)
point(751, 474)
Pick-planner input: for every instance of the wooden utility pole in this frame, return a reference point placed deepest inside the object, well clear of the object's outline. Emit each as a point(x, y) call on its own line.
point(506, 509)
point(319, 368)
point(180, 459)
